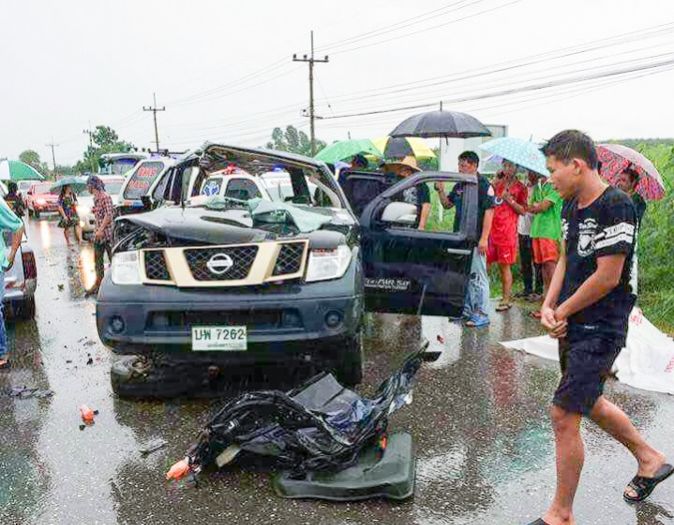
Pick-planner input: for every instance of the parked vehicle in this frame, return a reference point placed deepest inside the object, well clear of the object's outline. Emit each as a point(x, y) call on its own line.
point(194, 289)
point(141, 183)
point(85, 201)
point(119, 163)
point(21, 278)
point(39, 199)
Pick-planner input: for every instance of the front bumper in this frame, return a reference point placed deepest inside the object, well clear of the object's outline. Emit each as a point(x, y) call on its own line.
point(45, 208)
point(281, 320)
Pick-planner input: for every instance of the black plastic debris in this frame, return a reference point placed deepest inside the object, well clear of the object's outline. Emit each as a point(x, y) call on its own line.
point(90, 360)
point(378, 473)
point(318, 427)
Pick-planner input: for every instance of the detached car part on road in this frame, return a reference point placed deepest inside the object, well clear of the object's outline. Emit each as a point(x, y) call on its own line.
point(314, 433)
point(194, 291)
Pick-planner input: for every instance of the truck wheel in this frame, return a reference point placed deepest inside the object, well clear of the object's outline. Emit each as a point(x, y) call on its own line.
point(349, 361)
point(27, 309)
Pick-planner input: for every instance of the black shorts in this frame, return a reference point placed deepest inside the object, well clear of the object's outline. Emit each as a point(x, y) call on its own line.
point(585, 366)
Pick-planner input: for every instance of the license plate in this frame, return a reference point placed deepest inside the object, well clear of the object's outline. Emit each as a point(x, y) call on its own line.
point(223, 338)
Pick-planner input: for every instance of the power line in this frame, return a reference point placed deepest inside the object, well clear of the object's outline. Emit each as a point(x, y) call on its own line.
point(533, 87)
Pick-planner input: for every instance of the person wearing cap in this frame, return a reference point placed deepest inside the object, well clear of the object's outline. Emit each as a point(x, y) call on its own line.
point(8, 222)
point(103, 213)
point(417, 195)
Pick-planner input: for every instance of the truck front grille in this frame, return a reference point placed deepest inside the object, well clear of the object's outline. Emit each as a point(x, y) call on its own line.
point(221, 264)
point(155, 266)
point(289, 259)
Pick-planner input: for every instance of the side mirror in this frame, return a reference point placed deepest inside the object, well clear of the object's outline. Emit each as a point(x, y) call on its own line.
point(400, 214)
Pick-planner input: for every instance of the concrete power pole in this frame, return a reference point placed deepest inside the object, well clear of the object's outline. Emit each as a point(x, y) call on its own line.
point(90, 133)
point(154, 110)
point(311, 61)
point(53, 156)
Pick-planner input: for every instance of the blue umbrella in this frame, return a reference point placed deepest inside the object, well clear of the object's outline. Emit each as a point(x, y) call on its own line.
point(524, 153)
point(76, 183)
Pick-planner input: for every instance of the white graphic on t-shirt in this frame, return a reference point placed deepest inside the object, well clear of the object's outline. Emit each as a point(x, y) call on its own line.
point(410, 195)
point(586, 234)
point(622, 232)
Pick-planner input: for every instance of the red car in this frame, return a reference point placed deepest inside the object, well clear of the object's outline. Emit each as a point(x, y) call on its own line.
point(39, 199)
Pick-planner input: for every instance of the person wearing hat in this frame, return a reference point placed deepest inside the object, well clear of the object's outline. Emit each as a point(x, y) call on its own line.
point(417, 195)
point(103, 213)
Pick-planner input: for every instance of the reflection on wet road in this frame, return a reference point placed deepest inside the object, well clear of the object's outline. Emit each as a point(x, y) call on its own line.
point(479, 420)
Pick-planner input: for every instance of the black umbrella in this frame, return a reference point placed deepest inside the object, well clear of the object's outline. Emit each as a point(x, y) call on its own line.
point(397, 148)
point(441, 124)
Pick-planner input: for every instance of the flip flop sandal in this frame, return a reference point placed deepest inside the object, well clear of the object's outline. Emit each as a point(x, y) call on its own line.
point(644, 486)
point(503, 307)
point(539, 521)
point(536, 315)
point(5, 365)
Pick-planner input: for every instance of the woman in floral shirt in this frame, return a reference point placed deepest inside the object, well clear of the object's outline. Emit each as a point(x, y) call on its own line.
point(68, 209)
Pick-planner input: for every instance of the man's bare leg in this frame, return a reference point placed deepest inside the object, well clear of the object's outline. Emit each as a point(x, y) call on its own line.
point(616, 423)
point(570, 456)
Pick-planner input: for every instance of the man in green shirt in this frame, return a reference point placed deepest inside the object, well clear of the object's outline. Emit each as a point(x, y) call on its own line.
point(8, 222)
point(546, 228)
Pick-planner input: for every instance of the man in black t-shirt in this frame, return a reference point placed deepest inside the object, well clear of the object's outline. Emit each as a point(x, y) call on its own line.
point(587, 308)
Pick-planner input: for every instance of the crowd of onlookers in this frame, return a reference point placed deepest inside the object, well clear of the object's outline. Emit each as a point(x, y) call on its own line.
point(519, 223)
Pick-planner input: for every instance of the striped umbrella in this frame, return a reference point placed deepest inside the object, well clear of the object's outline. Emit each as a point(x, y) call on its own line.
point(16, 170)
point(401, 147)
point(615, 158)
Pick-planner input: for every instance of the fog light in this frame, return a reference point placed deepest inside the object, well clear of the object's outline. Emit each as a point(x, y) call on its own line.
point(333, 319)
point(117, 324)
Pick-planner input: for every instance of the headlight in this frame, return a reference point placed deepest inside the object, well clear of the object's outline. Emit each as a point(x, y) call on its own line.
point(83, 210)
point(328, 264)
point(126, 268)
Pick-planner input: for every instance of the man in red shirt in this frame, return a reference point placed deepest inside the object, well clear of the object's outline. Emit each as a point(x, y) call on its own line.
point(511, 202)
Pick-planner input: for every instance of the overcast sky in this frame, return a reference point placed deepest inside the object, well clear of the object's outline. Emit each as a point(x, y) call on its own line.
point(224, 70)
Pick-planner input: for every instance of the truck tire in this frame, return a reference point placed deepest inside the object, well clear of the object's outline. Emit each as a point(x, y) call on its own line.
point(26, 311)
point(349, 361)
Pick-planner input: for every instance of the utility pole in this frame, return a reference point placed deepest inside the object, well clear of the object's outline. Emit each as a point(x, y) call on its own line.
point(154, 110)
point(311, 61)
point(53, 156)
point(90, 133)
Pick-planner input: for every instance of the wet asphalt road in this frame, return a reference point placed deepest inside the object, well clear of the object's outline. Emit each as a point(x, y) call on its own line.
point(479, 420)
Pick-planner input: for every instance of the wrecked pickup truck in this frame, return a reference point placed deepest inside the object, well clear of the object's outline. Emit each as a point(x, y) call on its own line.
point(195, 290)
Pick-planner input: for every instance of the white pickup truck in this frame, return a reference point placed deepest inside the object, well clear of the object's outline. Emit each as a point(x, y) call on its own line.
point(21, 279)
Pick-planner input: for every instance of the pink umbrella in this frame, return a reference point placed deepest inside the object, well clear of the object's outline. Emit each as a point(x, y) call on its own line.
point(615, 158)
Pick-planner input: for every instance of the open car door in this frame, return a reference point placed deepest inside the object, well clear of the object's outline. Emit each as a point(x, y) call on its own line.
point(422, 271)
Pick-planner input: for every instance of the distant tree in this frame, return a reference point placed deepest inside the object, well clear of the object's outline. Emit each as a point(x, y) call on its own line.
point(32, 158)
point(293, 141)
point(105, 140)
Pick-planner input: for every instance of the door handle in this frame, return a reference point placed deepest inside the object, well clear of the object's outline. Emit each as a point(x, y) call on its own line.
point(459, 251)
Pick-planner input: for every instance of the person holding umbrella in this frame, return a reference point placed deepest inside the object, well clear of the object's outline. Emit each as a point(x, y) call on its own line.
point(67, 203)
point(627, 181)
point(587, 308)
point(104, 213)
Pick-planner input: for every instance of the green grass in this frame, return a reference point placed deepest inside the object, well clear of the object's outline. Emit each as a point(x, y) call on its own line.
point(656, 242)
